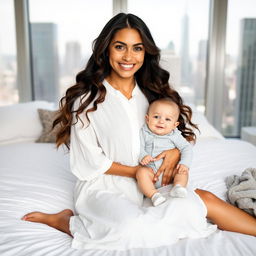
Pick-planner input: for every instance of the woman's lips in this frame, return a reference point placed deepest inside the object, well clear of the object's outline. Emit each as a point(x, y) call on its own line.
point(126, 66)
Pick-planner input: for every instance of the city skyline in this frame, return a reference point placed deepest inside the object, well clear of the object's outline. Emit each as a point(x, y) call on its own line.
point(171, 48)
point(42, 13)
point(247, 75)
point(45, 61)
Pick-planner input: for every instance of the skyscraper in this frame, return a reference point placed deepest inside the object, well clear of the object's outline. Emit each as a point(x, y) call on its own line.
point(200, 75)
point(73, 56)
point(247, 74)
point(171, 62)
point(45, 61)
point(184, 52)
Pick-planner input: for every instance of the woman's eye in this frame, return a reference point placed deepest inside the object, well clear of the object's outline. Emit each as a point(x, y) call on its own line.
point(119, 47)
point(138, 48)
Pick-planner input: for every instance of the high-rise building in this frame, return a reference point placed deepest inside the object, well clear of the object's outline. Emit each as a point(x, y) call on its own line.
point(200, 73)
point(73, 57)
point(247, 74)
point(45, 61)
point(171, 62)
point(184, 52)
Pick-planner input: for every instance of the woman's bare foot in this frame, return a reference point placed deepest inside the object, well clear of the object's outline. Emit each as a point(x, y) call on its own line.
point(59, 220)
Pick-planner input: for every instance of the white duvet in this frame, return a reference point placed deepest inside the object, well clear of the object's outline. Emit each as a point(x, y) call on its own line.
point(36, 177)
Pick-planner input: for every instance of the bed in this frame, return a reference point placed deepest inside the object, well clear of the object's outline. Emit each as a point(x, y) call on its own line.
point(36, 177)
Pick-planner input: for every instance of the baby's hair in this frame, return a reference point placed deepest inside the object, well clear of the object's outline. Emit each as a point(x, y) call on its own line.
point(169, 100)
point(184, 118)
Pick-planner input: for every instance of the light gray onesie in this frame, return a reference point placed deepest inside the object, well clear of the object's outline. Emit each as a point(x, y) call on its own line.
point(153, 144)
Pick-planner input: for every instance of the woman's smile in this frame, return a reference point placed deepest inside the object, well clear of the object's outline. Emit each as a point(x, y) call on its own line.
point(127, 67)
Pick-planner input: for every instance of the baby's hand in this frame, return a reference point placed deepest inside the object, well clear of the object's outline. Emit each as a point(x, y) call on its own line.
point(147, 159)
point(182, 169)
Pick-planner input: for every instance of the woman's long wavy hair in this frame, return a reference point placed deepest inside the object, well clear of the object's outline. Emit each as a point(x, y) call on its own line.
point(151, 78)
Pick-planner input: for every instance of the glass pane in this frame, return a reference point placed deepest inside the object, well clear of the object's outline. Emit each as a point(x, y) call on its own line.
point(180, 29)
point(8, 63)
point(240, 70)
point(62, 32)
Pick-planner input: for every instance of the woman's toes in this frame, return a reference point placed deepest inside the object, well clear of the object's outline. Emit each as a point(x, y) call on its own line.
point(33, 216)
point(27, 216)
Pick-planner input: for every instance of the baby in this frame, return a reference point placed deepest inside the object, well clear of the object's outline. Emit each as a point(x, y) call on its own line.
point(158, 134)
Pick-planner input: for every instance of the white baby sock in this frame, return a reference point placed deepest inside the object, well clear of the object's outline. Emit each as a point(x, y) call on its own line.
point(178, 191)
point(157, 199)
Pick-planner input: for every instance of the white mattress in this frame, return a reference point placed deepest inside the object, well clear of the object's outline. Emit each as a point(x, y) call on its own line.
point(36, 177)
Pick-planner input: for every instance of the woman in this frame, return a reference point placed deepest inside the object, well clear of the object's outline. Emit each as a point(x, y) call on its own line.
point(100, 119)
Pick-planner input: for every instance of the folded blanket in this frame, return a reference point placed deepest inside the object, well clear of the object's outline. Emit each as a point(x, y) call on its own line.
point(242, 190)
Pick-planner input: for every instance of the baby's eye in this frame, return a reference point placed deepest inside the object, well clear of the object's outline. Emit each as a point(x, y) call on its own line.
point(168, 119)
point(156, 117)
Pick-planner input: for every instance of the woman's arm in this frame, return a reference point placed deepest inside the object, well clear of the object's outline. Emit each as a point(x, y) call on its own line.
point(171, 158)
point(122, 170)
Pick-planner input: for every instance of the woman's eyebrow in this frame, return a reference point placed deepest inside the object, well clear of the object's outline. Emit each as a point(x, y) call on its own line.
point(120, 42)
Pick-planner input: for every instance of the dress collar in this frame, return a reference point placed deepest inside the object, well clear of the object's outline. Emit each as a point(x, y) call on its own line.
point(116, 92)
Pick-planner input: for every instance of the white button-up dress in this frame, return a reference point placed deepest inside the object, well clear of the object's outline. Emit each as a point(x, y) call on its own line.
point(109, 209)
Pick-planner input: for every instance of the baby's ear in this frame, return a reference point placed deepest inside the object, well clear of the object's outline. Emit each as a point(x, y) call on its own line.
point(177, 124)
point(146, 118)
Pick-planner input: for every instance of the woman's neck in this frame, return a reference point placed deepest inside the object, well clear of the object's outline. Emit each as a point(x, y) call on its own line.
point(125, 86)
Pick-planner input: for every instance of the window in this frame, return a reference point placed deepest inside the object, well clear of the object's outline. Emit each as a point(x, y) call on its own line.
point(240, 67)
point(8, 64)
point(180, 30)
point(62, 32)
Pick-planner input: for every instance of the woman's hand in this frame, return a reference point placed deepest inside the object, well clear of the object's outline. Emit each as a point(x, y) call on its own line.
point(171, 158)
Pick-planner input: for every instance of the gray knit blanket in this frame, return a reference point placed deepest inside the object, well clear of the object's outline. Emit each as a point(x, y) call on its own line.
point(242, 190)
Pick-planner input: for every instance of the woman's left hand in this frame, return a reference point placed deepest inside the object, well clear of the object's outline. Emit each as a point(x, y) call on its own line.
point(171, 158)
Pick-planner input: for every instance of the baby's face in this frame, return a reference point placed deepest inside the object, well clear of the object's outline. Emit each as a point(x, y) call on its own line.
point(162, 117)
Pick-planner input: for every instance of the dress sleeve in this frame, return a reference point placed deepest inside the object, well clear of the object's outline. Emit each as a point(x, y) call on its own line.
point(143, 152)
point(87, 159)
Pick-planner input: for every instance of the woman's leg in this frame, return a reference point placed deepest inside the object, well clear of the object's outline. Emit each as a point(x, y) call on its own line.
point(59, 220)
point(224, 215)
point(227, 216)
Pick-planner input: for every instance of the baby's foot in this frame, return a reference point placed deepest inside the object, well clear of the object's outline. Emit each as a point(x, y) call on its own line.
point(178, 191)
point(157, 199)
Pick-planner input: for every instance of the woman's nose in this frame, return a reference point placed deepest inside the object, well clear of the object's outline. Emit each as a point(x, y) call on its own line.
point(127, 55)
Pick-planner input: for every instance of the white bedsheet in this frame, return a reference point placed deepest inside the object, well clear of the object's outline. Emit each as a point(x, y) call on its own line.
point(36, 177)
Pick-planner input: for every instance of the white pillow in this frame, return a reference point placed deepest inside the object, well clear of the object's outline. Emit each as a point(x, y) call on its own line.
point(206, 129)
point(20, 122)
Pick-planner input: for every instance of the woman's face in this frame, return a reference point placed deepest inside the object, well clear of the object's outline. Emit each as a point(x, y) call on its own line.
point(126, 53)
